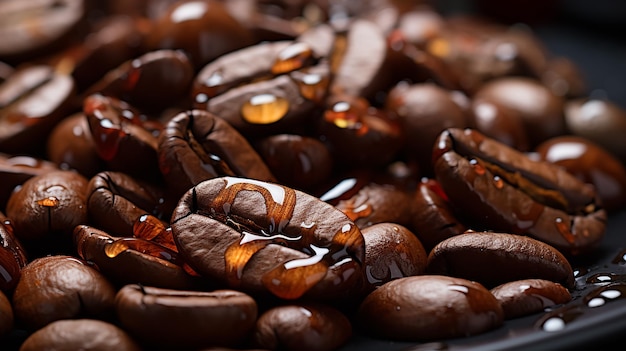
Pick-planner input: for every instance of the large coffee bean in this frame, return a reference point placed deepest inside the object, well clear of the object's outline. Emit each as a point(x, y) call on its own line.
point(497, 258)
point(265, 237)
point(429, 307)
point(501, 189)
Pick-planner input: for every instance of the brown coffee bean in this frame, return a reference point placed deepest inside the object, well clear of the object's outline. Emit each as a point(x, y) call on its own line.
point(590, 163)
point(15, 170)
point(203, 29)
point(429, 307)
point(297, 161)
point(268, 238)
point(6, 315)
point(45, 210)
point(197, 145)
point(523, 297)
point(499, 123)
point(564, 78)
point(32, 100)
point(80, 334)
point(71, 146)
point(424, 111)
point(130, 260)
point(179, 319)
point(540, 110)
point(12, 256)
point(391, 252)
point(60, 287)
point(433, 219)
point(600, 120)
point(501, 189)
point(117, 202)
point(302, 327)
point(497, 258)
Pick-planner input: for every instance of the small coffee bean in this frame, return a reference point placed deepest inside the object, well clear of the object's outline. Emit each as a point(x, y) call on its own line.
point(523, 297)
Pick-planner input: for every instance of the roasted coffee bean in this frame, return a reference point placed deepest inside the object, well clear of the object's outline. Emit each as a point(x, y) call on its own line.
point(179, 319)
point(6, 315)
point(377, 203)
point(429, 307)
point(267, 238)
point(152, 82)
point(358, 134)
point(499, 123)
point(131, 260)
point(80, 334)
point(590, 163)
point(392, 251)
point(501, 189)
point(297, 161)
point(433, 217)
point(12, 256)
point(424, 111)
point(197, 145)
point(498, 258)
point(123, 137)
point(37, 27)
point(204, 29)
point(45, 210)
point(117, 203)
point(32, 100)
point(523, 297)
point(60, 287)
point(275, 93)
point(599, 120)
point(71, 146)
point(540, 110)
point(15, 170)
point(302, 327)
point(564, 78)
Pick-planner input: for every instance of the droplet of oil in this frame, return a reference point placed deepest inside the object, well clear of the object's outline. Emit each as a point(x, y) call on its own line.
point(564, 229)
point(343, 115)
point(291, 58)
point(498, 182)
point(312, 86)
point(49, 201)
point(264, 109)
point(478, 168)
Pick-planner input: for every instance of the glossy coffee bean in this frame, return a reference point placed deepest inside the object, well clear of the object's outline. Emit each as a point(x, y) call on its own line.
point(13, 257)
point(71, 146)
point(523, 297)
point(45, 210)
point(33, 28)
point(197, 145)
point(501, 189)
point(599, 120)
point(424, 111)
point(297, 161)
point(80, 334)
point(429, 307)
point(498, 258)
point(124, 138)
point(540, 110)
point(590, 163)
point(267, 238)
point(179, 319)
point(392, 251)
point(15, 170)
point(433, 217)
point(302, 327)
point(564, 78)
point(499, 123)
point(32, 100)
point(204, 29)
point(6, 315)
point(132, 260)
point(60, 287)
point(117, 201)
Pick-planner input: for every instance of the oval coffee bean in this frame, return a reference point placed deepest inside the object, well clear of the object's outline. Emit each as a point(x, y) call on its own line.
point(496, 258)
point(12, 256)
point(501, 189)
point(429, 307)
point(80, 334)
point(264, 237)
point(16, 169)
point(523, 297)
point(60, 287)
point(302, 327)
point(186, 319)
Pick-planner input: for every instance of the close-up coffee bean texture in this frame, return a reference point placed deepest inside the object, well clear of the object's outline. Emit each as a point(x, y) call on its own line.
point(299, 175)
